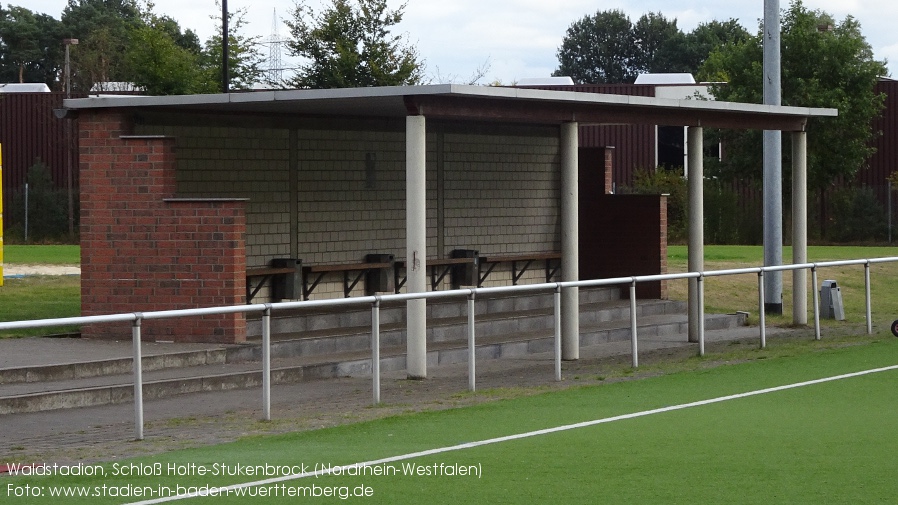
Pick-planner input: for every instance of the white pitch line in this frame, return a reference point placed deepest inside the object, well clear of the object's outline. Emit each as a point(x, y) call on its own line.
point(340, 469)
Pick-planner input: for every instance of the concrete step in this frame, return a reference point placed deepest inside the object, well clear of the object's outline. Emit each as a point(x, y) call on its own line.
point(306, 321)
point(449, 328)
point(217, 376)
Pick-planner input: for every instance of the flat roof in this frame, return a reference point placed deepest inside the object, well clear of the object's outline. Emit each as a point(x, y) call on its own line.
point(477, 103)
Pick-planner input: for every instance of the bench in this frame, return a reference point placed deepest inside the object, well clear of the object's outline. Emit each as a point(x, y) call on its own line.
point(439, 269)
point(524, 261)
point(312, 275)
point(266, 273)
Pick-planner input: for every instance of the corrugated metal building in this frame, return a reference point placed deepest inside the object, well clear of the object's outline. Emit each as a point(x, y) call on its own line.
point(30, 132)
point(885, 160)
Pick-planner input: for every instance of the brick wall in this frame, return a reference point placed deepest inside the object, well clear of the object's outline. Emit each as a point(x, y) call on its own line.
point(144, 250)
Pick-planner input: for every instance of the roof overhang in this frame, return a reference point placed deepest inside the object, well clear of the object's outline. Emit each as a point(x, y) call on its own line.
point(475, 103)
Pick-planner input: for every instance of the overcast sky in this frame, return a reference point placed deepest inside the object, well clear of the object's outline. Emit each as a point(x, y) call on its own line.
point(518, 38)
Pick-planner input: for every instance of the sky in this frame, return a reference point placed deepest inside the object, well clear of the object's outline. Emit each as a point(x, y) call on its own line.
point(514, 39)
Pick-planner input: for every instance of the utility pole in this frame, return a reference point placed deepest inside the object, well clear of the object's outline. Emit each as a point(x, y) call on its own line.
point(225, 72)
point(773, 163)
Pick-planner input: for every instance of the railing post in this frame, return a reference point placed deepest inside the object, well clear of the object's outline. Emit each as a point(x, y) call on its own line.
point(633, 345)
point(816, 302)
point(266, 363)
point(700, 284)
point(375, 350)
point(472, 365)
point(761, 314)
point(868, 300)
point(138, 378)
point(557, 305)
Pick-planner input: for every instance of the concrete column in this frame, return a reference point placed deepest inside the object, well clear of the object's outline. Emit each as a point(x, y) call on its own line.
point(570, 243)
point(696, 240)
point(800, 226)
point(416, 244)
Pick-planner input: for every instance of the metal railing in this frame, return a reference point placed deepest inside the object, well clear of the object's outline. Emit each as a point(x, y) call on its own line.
point(266, 310)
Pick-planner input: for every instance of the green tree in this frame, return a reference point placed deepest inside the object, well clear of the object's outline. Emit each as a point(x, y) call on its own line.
point(657, 42)
point(350, 44)
point(159, 66)
point(103, 28)
point(608, 48)
point(245, 58)
point(820, 68)
point(30, 46)
point(186, 40)
point(707, 38)
point(598, 49)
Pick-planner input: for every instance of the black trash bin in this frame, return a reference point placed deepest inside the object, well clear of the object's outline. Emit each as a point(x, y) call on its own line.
point(286, 286)
point(465, 274)
point(380, 280)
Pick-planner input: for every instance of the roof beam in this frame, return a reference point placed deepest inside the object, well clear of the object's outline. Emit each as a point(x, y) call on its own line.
point(549, 112)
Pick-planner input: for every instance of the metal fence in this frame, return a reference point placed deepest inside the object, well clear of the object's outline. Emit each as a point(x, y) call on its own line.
point(554, 288)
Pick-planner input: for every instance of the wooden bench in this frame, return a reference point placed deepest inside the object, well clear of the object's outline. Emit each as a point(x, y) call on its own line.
point(439, 269)
point(266, 273)
point(524, 261)
point(312, 275)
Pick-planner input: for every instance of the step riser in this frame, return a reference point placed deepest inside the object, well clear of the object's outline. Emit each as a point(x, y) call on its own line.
point(355, 368)
point(317, 321)
point(112, 367)
point(321, 346)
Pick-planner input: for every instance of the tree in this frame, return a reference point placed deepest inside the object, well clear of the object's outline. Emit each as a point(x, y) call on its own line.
point(244, 54)
point(159, 66)
point(657, 41)
point(608, 48)
point(820, 68)
point(598, 49)
point(708, 37)
point(103, 28)
point(30, 46)
point(350, 44)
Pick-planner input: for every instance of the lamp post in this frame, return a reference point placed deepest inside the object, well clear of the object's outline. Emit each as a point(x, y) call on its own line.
point(68, 71)
point(68, 137)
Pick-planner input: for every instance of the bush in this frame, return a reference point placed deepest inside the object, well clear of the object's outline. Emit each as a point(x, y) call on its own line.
point(661, 181)
point(47, 209)
point(728, 219)
point(855, 215)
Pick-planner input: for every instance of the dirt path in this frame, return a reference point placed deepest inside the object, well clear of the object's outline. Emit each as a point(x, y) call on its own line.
point(22, 269)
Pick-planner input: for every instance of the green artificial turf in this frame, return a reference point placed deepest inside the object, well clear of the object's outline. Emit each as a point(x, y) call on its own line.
point(825, 443)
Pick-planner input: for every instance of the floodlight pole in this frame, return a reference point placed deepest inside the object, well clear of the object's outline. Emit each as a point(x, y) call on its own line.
point(773, 162)
point(225, 72)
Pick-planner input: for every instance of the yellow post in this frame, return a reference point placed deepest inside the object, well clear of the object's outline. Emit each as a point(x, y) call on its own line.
point(1, 217)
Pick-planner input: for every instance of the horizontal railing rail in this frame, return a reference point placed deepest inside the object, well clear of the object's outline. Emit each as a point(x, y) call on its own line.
point(470, 294)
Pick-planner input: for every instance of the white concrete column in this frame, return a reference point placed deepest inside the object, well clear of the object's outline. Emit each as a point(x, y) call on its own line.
point(570, 242)
point(416, 244)
point(800, 226)
point(696, 240)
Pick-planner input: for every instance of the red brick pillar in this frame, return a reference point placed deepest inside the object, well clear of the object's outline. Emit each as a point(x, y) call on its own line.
point(609, 170)
point(662, 246)
point(142, 249)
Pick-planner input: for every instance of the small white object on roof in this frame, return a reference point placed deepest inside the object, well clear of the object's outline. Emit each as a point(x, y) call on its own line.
point(546, 81)
point(27, 87)
point(114, 86)
point(665, 79)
